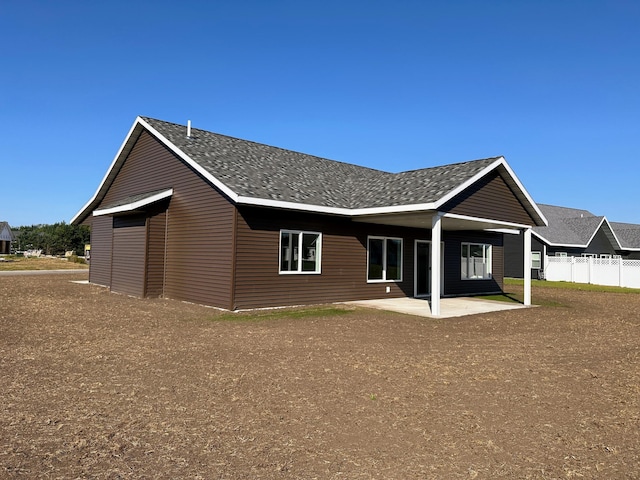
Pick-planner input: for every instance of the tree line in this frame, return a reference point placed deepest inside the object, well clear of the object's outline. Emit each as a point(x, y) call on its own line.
point(54, 239)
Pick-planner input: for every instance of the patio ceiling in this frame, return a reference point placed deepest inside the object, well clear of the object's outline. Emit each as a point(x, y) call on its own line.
point(450, 222)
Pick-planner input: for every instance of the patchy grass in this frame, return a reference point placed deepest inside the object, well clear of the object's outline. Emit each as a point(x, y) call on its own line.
point(13, 263)
point(504, 297)
point(261, 315)
point(587, 287)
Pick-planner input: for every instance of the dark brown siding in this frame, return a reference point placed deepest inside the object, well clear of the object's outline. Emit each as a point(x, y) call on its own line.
point(490, 197)
point(100, 263)
point(128, 258)
point(157, 226)
point(199, 219)
point(344, 260)
point(454, 284)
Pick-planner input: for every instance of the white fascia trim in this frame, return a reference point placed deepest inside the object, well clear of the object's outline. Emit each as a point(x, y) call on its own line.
point(485, 220)
point(515, 178)
point(357, 212)
point(551, 244)
point(217, 183)
point(615, 237)
point(508, 231)
point(570, 245)
point(111, 167)
point(265, 202)
point(134, 205)
point(418, 207)
point(499, 162)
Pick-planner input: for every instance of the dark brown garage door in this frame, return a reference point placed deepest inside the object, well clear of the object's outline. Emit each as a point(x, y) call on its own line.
point(128, 257)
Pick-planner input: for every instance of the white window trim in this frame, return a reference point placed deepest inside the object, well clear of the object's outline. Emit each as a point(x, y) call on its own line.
point(489, 261)
point(384, 260)
point(299, 270)
point(539, 261)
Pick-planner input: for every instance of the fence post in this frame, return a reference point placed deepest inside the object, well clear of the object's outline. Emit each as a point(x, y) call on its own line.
point(621, 272)
point(590, 269)
point(573, 265)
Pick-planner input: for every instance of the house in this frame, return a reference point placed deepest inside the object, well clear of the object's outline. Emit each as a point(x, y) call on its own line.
point(571, 232)
point(193, 215)
point(6, 237)
point(628, 235)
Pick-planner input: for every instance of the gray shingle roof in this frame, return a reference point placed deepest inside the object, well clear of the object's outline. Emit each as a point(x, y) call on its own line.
point(567, 226)
point(628, 234)
point(572, 226)
point(260, 171)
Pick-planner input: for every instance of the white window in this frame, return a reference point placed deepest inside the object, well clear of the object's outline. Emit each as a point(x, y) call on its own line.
point(384, 259)
point(589, 255)
point(300, 252)
point(475, 261)
point(535, 260)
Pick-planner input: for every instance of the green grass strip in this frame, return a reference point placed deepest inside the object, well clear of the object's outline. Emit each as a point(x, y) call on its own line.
point(587, 287)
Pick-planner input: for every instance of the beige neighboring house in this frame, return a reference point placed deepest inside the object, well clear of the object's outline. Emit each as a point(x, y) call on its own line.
point(6, 237)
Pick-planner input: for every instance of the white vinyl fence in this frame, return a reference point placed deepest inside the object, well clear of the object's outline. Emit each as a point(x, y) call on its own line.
point(600, 271)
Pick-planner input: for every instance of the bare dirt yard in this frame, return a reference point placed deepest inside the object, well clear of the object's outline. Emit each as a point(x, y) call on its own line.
point(100, 385)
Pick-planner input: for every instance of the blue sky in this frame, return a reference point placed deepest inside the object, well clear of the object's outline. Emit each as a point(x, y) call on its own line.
point(552, 85)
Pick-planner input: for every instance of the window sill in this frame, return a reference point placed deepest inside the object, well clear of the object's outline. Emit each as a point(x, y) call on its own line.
point(299, 273)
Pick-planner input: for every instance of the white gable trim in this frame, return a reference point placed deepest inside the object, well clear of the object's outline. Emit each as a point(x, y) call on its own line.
point(195, 165)
point(500, 162)
point(109, 170)
point(141, 124)
point(595, 232)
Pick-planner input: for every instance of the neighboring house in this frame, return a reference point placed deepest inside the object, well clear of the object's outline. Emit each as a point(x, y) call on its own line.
point(573, 233)
point(202, 217)
point(6, 237)
point(628, 235)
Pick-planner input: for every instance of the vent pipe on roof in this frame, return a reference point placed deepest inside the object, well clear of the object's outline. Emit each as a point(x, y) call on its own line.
point(188, 128)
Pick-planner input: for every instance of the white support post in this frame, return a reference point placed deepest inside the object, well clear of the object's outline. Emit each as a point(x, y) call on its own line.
point(436, 238)
point(527, 266)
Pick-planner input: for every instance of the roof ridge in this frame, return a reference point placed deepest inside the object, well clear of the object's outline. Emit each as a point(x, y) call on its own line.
point(262, 144)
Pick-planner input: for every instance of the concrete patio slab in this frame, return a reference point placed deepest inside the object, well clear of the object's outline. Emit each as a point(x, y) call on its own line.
point(449, 307)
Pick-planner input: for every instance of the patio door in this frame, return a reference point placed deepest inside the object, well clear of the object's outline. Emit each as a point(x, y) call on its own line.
point(422, 268)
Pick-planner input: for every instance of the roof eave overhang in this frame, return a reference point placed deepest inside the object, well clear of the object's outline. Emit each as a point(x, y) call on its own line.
point(133, 206)
point(140, 125)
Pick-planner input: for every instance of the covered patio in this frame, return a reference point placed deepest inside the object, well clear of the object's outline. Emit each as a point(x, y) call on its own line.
point(449, 307)
point(437, 222)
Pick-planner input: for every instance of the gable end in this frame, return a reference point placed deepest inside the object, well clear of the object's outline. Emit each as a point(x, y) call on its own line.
point(492, 198)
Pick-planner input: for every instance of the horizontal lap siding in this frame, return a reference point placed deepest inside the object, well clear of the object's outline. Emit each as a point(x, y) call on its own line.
point(490, 197)
point(198, 258)
point(155, 254)
point(100, 262)
point(128, 260)
point(343, 261)
point(454, 284)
